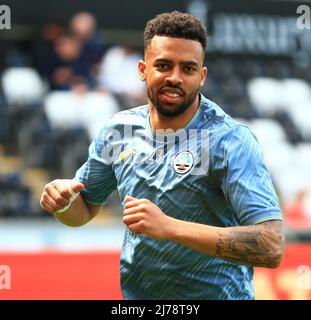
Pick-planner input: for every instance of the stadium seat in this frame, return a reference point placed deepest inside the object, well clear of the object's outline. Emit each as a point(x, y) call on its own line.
point(265, 94)
point(62, 109)
point(22, 85)
point(268, 132)
point(67, 110)
point(290, 167)
point(301, 115)
point(290, 95)
point(97, 108)
point(295, 92)
point(303, 155)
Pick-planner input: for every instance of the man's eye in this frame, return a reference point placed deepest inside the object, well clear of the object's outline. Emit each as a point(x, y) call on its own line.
point(189, 69)
point(162, 66)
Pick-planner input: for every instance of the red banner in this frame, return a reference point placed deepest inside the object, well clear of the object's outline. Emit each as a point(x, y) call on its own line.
point(55, 275)
point(291, 281)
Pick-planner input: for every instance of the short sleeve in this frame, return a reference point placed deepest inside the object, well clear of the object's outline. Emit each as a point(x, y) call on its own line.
point(96, 173)
point(244, 178)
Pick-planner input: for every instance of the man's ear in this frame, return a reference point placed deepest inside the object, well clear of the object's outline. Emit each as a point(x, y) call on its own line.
point(142, 70)
point(203, 76)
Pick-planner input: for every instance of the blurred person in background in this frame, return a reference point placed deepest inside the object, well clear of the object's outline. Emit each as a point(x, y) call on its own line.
point(44, 52)
point(83, 27)
point(71, 64)
point(118, 75)
point(70, 56)
point(190, 234)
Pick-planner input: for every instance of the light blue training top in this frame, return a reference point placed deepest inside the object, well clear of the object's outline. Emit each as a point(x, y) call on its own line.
point(210, 172)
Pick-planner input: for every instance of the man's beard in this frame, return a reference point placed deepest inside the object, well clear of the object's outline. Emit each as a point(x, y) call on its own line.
point(171, 110)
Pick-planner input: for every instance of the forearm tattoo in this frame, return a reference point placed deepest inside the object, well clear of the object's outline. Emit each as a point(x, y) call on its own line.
point(259, 245)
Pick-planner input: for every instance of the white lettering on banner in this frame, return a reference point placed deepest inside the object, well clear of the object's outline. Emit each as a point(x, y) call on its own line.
point(259, 34)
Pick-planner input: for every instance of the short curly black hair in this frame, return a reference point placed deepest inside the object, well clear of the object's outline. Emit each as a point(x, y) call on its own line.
point(177, 25)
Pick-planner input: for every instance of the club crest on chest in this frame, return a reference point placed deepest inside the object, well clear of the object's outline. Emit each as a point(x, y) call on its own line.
point(183, 162)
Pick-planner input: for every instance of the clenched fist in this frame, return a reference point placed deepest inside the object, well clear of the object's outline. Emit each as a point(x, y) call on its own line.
point(57, 194)
point(144, 217)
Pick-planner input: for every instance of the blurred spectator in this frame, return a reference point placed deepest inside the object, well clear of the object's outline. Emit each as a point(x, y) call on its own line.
point(298, 213)
point(71, 65)
point(119, 74)
point(83, 28)
point(69, 58)
point(44, 53)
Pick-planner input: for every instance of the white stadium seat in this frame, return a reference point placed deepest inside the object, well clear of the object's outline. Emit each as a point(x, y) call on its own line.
point(70, 110)
point(303, 155)
point(301, 116)
point(295, 92)
point(268, 132)
point(264, 94)
point(96, 109)
point(269, 95)
point(290, 167)
point(22, 85)
point(62, 109)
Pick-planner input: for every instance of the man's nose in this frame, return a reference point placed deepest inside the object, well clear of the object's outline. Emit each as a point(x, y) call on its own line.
point(174, 77)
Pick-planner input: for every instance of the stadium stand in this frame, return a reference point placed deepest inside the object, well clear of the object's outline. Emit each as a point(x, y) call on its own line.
point(50, 130)
point(47, 132)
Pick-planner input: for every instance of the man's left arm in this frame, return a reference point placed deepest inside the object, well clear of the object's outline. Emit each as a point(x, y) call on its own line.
point(259, 245)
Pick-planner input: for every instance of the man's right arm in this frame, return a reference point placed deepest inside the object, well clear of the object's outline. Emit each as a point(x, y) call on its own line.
point(56, 196)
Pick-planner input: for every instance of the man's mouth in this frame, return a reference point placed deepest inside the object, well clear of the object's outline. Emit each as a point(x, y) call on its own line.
point(171, 95)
